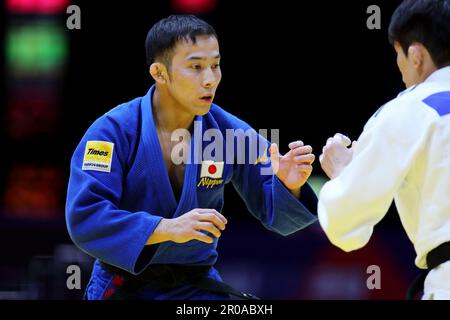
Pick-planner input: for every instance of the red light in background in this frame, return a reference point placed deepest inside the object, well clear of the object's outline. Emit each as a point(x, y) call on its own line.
point(33, 192)
point(37, 6)
point(30, 113)
point(193, 6)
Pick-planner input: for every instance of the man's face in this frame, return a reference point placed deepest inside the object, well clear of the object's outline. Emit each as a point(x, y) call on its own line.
point(195, 74)
point(407, 69)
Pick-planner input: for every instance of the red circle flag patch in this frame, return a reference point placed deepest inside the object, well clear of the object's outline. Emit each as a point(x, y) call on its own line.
point(212, 169)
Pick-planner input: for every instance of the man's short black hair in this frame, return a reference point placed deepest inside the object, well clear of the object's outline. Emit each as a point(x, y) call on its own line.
point(164, 35)
point(426, 22)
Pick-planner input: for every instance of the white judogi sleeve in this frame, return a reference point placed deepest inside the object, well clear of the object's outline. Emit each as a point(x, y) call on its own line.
point(351, 204)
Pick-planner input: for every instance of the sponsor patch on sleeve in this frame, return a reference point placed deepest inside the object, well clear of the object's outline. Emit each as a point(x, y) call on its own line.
point(98, 156)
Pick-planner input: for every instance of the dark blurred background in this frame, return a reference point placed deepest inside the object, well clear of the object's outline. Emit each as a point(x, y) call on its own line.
point(309, 69)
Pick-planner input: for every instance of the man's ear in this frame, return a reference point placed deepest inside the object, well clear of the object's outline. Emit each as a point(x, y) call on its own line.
point(158, 72)
point(416, 54)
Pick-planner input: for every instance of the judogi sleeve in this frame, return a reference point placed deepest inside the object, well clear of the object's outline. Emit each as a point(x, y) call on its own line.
point(95, 222)
point(267, 198)
point(354, 202)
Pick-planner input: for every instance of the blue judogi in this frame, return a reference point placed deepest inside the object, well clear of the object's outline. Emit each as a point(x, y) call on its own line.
point(119, 190)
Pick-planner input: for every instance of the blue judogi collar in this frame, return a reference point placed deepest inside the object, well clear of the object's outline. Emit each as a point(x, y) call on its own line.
point(152, 148)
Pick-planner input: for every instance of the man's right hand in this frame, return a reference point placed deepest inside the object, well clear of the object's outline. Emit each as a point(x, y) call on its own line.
point(189, 226)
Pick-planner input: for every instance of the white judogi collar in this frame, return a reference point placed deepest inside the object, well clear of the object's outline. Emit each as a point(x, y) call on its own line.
point(442, 74)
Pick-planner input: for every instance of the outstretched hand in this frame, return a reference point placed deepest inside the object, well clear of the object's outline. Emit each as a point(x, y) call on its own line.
point(336, 155)
point(190, 226)
point(295, 167)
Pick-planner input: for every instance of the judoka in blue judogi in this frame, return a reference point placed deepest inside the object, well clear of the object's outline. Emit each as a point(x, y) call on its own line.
point(123, 205)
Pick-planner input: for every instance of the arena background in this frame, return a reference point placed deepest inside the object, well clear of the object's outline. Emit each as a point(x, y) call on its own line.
point(309, 69)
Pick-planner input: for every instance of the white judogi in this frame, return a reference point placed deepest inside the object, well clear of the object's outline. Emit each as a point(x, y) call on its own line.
point(402, 154)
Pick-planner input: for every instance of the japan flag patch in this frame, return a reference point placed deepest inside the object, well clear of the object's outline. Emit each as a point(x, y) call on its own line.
point(212, 169)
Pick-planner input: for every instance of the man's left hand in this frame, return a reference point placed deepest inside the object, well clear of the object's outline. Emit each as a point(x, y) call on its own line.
point(295, 167)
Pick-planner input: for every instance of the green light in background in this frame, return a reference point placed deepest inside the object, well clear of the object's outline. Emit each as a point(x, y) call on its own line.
point(316, 182)
point(36, 47)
